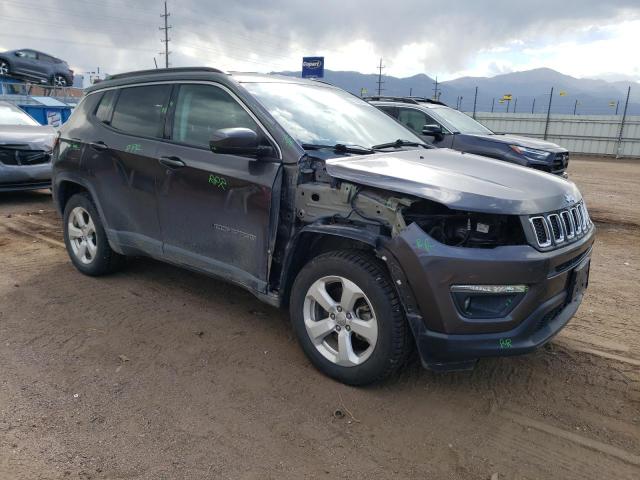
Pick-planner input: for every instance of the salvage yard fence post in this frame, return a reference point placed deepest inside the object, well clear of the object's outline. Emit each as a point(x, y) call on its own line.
point(624, 118)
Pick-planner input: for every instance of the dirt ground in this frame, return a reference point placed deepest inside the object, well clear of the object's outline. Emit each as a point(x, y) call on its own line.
point(160, 373)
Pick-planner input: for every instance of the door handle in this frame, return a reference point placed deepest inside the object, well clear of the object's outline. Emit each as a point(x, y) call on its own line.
point(99, 146)
point(171, 162)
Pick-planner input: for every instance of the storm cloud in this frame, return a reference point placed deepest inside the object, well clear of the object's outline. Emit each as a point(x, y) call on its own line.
point(273, 34)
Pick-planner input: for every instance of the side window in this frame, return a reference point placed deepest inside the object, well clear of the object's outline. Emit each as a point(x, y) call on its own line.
point(30, 54)
point(202, 109)
point(393, 111)
point(414, 119)
point(103, 112)
point(141, 110)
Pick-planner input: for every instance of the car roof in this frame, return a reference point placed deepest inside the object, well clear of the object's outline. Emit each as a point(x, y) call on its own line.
point(196, 73)
point(10, 105)
point(409, 101)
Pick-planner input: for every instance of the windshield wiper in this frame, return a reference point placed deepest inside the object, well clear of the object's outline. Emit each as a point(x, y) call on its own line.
point(401, 143)
point(339, 148)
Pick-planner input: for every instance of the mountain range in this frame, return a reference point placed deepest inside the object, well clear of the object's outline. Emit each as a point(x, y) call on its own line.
point(595, 97)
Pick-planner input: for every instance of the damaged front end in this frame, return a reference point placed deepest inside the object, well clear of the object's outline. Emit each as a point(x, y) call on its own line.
point(473, 283)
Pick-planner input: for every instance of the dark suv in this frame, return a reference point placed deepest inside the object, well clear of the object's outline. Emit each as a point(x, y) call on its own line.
point(445, 127)
point(311, 198)
point(36, 66)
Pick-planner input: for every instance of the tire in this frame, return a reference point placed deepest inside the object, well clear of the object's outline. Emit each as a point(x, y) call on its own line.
point(5, 68)
point(359, 292)
point(85, 238)
point(59, 80)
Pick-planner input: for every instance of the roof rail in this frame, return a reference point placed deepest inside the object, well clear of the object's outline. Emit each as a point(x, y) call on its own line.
point(163, 70)
point(415, 100)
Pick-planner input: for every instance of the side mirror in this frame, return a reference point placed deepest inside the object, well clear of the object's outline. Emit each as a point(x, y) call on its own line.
point(19, 54)
point(432, 130)
point(238, 141)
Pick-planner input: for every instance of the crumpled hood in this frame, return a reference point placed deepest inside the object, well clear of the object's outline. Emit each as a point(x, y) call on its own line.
point(37, 137)
point(460, 181)
point(524, 142)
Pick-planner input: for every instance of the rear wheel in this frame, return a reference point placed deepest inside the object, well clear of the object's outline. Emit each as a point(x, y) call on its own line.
point(348, 318)
point(4, 68)
point(86, 240)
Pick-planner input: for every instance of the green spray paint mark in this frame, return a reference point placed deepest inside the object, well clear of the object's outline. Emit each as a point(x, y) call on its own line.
point(133, 148)
point(74, 146)
point(505, 343)
point(289, 141)
point(219, 182)
point(424, 244)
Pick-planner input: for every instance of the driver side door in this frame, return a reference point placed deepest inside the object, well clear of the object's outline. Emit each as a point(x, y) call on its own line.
point(215, 209)
point(415, 119)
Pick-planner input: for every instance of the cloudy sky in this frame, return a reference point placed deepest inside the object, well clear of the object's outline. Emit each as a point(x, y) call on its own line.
point(583, 38)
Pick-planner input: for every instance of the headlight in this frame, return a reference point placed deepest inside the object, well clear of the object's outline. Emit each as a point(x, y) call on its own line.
point(531, 152)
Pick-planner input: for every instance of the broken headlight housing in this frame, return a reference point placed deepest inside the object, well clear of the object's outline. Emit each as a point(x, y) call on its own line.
point(465, 229)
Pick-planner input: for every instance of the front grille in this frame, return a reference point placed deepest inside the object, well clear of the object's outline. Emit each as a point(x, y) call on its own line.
point(22, 155)
point(560, 227)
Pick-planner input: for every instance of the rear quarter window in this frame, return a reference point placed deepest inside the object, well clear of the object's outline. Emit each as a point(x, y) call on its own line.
point(105, 107)
point(141, 110)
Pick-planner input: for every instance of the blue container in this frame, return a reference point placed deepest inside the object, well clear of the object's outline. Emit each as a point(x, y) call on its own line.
point(45, 115)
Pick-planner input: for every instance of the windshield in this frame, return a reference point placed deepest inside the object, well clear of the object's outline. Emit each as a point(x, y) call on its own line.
point(459, 122)
point(314, 114)
point(13, 116)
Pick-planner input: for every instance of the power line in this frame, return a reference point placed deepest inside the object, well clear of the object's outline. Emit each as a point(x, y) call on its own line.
point(166, 35)
point(380, 81)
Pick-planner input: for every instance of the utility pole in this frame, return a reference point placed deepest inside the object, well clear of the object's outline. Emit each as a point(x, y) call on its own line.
point(508, 103)
point(166, 36)
point(380, 82)
point(617, 105)
point(475, 102)
point(624, 117)
point(515, 105)
point(575, 107)
point(546, 125)
point(493, 103)
point(533, 105)
point(436, 91)
point(410, 92)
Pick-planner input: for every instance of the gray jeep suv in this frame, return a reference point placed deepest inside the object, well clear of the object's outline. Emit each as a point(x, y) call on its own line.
point(311, 198)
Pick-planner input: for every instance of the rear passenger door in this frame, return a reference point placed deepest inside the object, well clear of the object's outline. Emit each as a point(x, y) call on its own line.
point(215, 209)
point(122, 161)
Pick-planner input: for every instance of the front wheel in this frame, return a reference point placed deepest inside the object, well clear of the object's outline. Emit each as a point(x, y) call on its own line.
point(59, 81)
point(348, 318)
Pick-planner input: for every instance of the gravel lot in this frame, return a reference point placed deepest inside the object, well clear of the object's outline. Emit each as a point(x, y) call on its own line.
point(160, 373)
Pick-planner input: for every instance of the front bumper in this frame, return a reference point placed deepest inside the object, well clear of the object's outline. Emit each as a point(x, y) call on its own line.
point(24, 177)
point(444, 335)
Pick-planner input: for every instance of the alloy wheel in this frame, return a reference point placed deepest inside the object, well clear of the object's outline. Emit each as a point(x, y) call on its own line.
point(59, 81)
point(340, 321)
point(82, 235)
point(4, 68)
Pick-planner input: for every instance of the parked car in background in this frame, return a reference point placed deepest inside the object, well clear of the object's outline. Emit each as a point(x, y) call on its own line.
point(25, 150)
point(313, 199)
point(445, 127)
point(35, 66)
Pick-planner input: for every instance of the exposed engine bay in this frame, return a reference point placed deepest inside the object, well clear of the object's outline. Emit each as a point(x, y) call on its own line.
point(389, 213)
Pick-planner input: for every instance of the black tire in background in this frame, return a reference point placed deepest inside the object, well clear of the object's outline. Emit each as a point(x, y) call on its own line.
point(393, 345)
point(104, 260)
